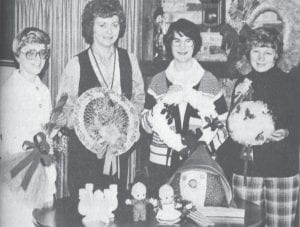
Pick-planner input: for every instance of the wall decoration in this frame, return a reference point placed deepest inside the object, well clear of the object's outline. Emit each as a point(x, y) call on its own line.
point(188, 9)
point(253, 13)
point(211, 12)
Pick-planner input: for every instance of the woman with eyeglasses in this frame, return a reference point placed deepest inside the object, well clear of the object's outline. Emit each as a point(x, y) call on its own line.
point(25, 108)
point(182, 43)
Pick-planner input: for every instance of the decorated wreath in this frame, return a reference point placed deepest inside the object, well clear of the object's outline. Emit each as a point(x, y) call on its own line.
point(251, 123)
point(106, 122)
point(162, 114)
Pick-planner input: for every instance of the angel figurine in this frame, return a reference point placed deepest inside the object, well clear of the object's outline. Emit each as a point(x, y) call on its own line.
point(167, 212)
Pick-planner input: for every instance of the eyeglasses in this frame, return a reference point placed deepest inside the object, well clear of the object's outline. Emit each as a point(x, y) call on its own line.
point(187, 42)
point(32, 54)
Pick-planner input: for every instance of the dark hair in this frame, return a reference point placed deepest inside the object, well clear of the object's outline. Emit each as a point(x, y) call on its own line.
point(157, 12)
point(265, 37)
point(182, 27)
point(29, 35)
point(104, 9)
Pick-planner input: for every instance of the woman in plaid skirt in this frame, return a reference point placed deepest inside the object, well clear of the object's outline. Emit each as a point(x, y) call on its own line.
point(271, 178)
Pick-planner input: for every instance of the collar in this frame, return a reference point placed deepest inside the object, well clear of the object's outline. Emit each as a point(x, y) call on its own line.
point(271, 73)
point(187, 78)
point(37, 82)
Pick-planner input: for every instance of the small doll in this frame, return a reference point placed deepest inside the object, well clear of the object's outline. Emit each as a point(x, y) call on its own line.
point(139, 201)
point(167, 212)
point(160, 29)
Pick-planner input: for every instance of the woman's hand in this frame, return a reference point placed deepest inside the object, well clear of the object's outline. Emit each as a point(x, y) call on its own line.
point(61, 120)
point(279, 134)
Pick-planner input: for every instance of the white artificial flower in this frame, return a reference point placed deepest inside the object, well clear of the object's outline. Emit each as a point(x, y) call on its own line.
point(251, 123)
point(166, 134)
point(242, 88)
point(177, 94)
point(202, 102)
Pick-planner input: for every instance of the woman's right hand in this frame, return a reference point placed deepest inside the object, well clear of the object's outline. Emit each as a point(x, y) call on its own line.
point(66, 118)
point(61, 120)
point(279, 135)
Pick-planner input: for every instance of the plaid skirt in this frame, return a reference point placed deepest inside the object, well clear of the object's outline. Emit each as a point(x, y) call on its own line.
point(277, 196)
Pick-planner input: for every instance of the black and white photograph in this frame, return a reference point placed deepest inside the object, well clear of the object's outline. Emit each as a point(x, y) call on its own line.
point(149, 113)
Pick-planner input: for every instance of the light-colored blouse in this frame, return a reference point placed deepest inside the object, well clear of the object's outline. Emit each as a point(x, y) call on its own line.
point(25, 108)
point(71, 76)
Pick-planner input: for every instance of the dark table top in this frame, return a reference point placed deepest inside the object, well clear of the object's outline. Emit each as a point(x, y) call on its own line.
point(66, 215)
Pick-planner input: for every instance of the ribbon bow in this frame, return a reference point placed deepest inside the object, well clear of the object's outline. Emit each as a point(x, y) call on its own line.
point(39, 153)
point(111, 162)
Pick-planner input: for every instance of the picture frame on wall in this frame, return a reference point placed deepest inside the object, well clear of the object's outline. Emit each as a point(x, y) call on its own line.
point(211, 16)
point(212, 12)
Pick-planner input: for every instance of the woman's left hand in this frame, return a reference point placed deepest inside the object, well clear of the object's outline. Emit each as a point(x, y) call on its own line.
point(279, 134)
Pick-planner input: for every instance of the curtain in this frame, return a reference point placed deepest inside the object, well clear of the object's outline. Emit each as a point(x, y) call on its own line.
point(61, 19)
point(132, 40)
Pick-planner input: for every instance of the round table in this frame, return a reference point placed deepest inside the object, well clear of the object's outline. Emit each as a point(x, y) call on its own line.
point(65, 214)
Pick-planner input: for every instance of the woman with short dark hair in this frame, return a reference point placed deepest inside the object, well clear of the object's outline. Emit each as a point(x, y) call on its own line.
point(102, 64)
point(103, 9)
point(186, 28)
point(182, 42)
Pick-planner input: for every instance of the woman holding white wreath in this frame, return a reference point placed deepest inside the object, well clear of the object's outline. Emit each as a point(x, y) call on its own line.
point(185, 94)
point(271, 177)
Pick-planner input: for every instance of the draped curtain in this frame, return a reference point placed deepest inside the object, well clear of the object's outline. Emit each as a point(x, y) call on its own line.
point(61, 19)
point(132, 40)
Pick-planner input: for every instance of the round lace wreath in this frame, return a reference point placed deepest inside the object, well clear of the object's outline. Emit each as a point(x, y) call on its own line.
point(105, 122)
point(198, 100)
point(251, 123)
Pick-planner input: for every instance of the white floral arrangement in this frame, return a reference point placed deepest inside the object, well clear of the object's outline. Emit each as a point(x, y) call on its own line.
point(177, 94)
point(243, 88)
point(160, 126)
point(97, 206)
point(251, 123)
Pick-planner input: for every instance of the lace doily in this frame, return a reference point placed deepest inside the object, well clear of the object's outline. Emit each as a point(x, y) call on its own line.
point(106, 122)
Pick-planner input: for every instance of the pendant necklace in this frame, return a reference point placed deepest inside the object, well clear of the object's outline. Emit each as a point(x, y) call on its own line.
point(101, 74)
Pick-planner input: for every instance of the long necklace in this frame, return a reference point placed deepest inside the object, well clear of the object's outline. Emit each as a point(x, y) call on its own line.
point(101, 74)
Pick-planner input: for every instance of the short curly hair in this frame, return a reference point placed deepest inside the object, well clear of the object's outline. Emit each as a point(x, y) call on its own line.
point(29, 35)
point(104, 9)
point(265, 37)
point(183, 27)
